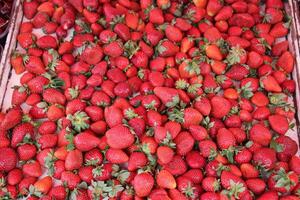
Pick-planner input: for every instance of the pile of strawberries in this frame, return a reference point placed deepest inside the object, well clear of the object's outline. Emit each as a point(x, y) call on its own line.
point(158, 100)
point(5, 10)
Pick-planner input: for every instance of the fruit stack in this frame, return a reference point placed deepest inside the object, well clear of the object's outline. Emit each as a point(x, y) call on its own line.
point(5, 13)
point(142, 99)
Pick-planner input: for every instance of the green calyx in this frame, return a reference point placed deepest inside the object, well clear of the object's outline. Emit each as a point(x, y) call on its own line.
point(79, 121)
point(283, 180)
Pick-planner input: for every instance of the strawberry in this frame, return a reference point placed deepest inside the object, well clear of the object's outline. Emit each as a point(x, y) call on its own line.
point(165, 179)
point(143, 184)
point(30, 8)
point(279, 123)
point(270, 84)
point(213, 52)
point(19, 96)
point(213, 7)
point(168, 96)
point(286, 147)
point(265, 157)
point(249, 171)
point(32, 169)
point(279, 30)
point(85, 141)
point(136, 160)
point(21, 133)
point(12, 118)
point(225, 139)
point(220, 106)
point(73, 160)
point(260, 134)
point(156, 16)
point(53, 96)
point(40, 19)
point(16, 61)
point(47, 42)
point(224, 13)
point(286, 62)
point(34, 65)
point(283, 181)
point(8, 159)
point(116, 156)
point(119, 137)
point(167, 48)
point(257, 186)
point(173, 33)
point(71, 179)
point(58, 192)
point(113, 49)
point(43, 185)
point(184, 143)
point(273, 15)
point(164, 154)
point(14, 176)
point(26, 40)
point(177, 166)
point(92, 55)
point(26, 151)
point(294, 164)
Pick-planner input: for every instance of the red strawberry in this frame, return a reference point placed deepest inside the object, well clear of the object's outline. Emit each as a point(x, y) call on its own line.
point(177, 166)
point(168, 96)
point(213, 7)
point(119, 137)
point(116, 156)
point(167, 48)
point(265, 157)
point(47, 42)
point(19, 96)
point(92, 55)
point(143, 184)
point(279, 123)
point(26, 151)
point(165, 179)
point(73, 160)
point(256, 185)
point(294, 164)
point(21, 132)
point(286, 62)
point(249, 171)
point(34, 65)
point(32, 169)
point(8, 159)
point(14, 176)
point(113, 49)
point(26, 40)
point(85, 141)
point(270, 84)
point(225, 139)
point(71, 179)
point(224, 13)
point(184, 143)
point(220, 106)
point(286, 147)
point(212, 51)
point(43, 185)
point(30, 8)
point(260, 134)
point(12, 118)
point(156, 16)
point(283, 181)
point(164, 154)
point(16, 61)
point(137, 160)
